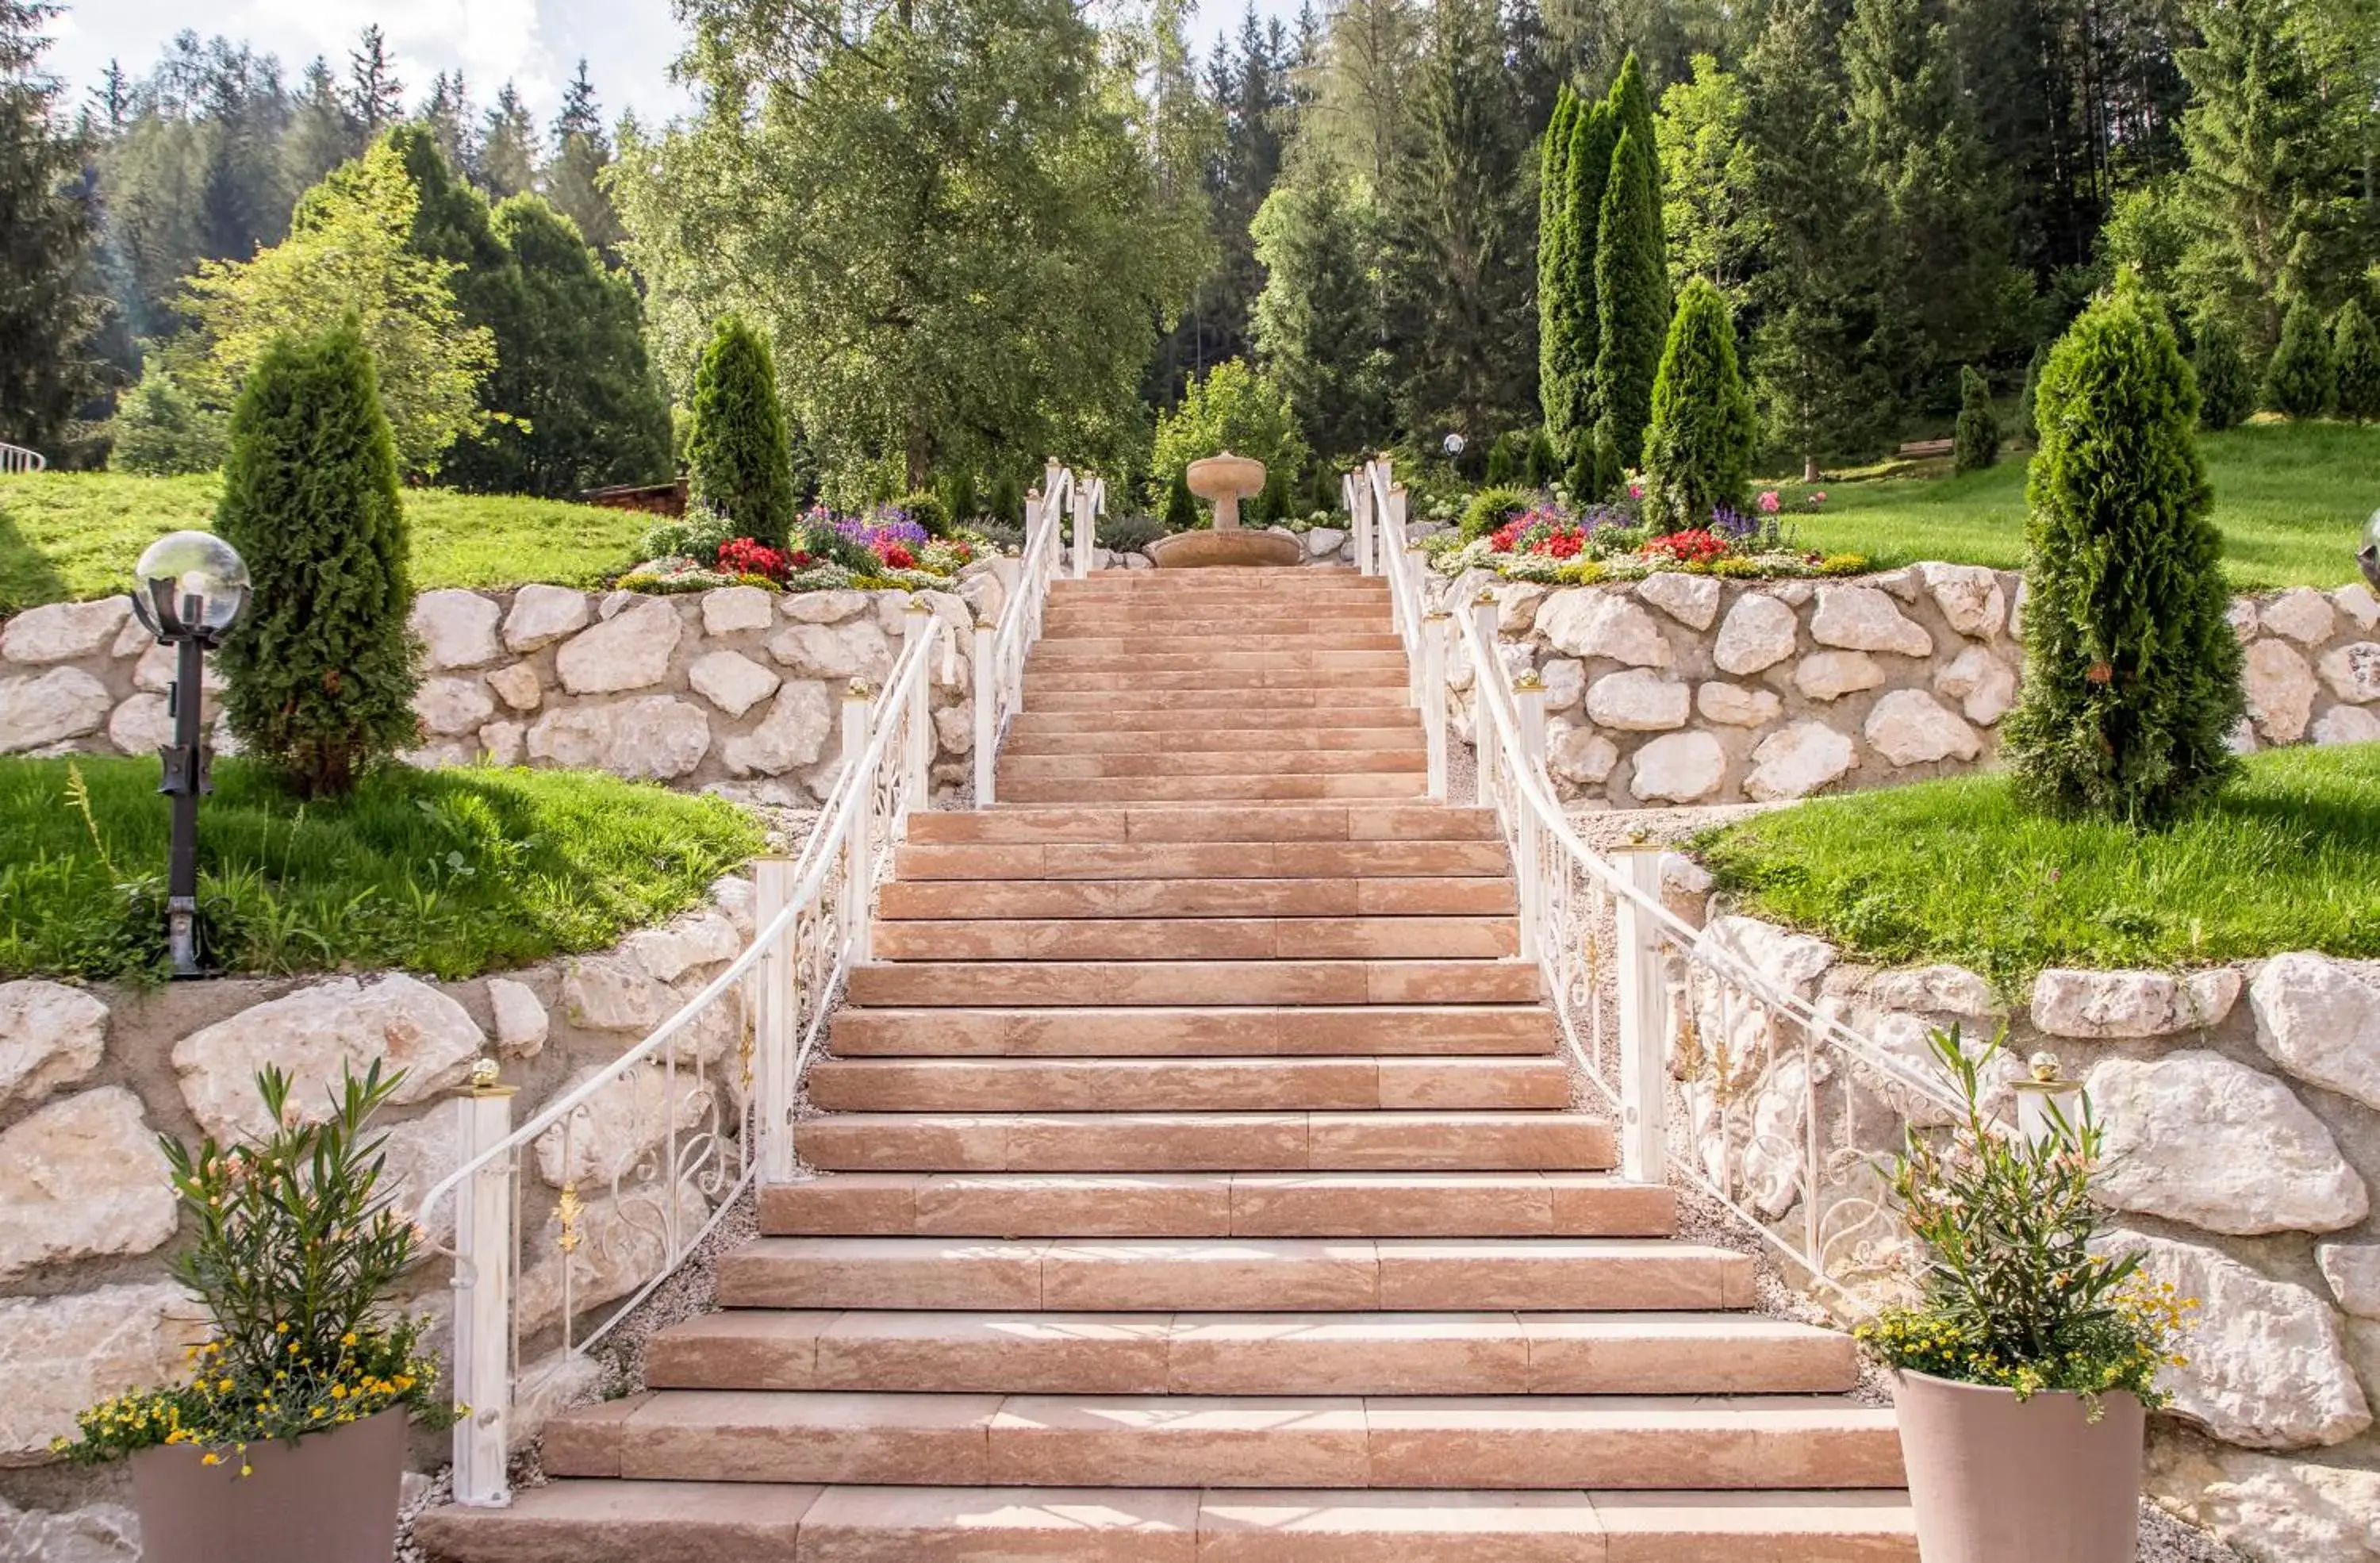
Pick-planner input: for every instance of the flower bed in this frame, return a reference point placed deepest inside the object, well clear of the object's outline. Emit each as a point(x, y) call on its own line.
point(1544, 538)
point(886, 548)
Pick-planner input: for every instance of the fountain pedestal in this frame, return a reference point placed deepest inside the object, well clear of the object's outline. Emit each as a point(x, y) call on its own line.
point(1225, 481)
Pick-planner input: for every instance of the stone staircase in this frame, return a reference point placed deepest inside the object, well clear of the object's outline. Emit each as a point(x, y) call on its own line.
point(1201, 1182)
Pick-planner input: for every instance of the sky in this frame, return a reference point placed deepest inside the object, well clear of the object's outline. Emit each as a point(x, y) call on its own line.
point(628, 44)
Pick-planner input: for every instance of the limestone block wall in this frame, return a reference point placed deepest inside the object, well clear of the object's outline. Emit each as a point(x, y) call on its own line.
point(1689, 689)
point(88, 1077)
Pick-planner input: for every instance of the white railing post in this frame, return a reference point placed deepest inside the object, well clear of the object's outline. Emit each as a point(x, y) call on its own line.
point(1529, 702)
point(483, 1309)
point(1434, 627)
point(917, 622)
point(1485, 664)
point(773, 1024)
point(1359, 506)
point(858, 867)
point(987, 713)
point(1644, 1041)
point(1410, 570)
point(1083, 526)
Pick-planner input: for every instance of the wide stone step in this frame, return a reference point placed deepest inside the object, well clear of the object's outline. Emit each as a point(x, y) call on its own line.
point(1429, 896)
point(1244, 1031)
point(1186, 1085)
point(1270, 1353)
point(1016, 768)
point(1402, 938)
point(1238, 861)
point(1388, 826)
point(1211, 789)
point(1237, 641)
point(1106, 983)
point(1223, 663)
point(1383, 670)
point(621, 1521)
point(1184, 734)
point(1206, 585)
point(1205, 625)
point(1267, 1205)
point(1204, 1141)
point(1516, 1442)
point(1374, 696)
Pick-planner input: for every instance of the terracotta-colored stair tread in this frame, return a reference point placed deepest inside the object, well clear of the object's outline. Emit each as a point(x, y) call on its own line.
point(1442, 895)
point(979, 1085)
point(1396, 938)
point(1174, 983)
point(1392, 824)
point(1288, 787)
point(1243, 861)
point(1211, 1141)
point(1221, 764)
point(1257, 1031)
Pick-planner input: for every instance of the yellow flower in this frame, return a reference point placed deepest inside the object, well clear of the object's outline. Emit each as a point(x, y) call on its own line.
point(211, 1458)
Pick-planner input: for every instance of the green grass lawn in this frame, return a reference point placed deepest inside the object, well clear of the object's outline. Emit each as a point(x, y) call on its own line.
point(74, 535)
point(2289, 497)
point(449, 872)
point(1954, 870)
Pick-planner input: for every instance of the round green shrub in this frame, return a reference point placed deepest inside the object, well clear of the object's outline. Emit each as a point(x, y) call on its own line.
point(1490, 508)
point(925, 508)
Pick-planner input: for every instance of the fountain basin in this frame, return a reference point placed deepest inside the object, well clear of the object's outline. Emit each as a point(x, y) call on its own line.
point(1234, 547)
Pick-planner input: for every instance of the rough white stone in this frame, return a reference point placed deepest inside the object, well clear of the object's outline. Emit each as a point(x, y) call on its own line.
point(730, 679)
point(522, 1025)
point(2353, 1271)
point(1732, 705)
point(2358, 603)
point(628, 652)
point(2267, 1508)
point(421, 1153)
point(2195, 1137)
point(654, 737)
point(1638, 701)
point(452, 705)
point(2267, 1366)
point(2303, 614)
point(543, 614)
point(735, 896)
point(614, 604)
point(857, 648)
point(1685, 887)
point(158, 666)
point(1589, 621)
point(60, 1354)
point(1830, 675)
point(1565, 681)
point(618, 1125)
point(2353, 672)
point(517, 686)
point(1679, 767)
point(793, 733)
point(1860, 618)
point(50, 708)
point(1321, 542)
point(456, 628)
point(504, 743)
point(143, 725)
point(2106, 1005)
point(102, 1532)
point(1799, 760)
point(2242, 616)
point(81, 1178)
point(623, 1245)
point(1579, 754)
point(2346, 725)
point(1969, 595)
point(612, 992)
point(2319, 1019)
point(61, 631)
point(825, 607)
point(2280, 691)
point(1516, 605)
point(51, 1036)
point(1785, 959)
point(315, 1035)
point(954, 729)
point(702, 939)
point(1985, 685)
point(1942, 989)
point(1910, 727)
point(1693, 601)
point(730, 609)
point(1758, 633)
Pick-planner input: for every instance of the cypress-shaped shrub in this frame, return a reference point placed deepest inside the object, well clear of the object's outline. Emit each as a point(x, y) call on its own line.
point(2355, 358)
point(1541, 466)
point(959, 502)
point(2300, 379)
point(1975, 442)
point(2226, 391)
point(1504, 458)
point(1698, 451)
point(738, 459)
point(2028, 427)
point(1593, 133)
point(1632, 305)
point(1182, 513)
point(1007, 504)
point(2131, 676)
point(1553, 229)
point(320, 670)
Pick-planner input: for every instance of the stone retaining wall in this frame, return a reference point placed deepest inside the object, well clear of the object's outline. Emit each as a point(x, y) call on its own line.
point(2242, 1109)
point(1689, 689)
point(88, 1077)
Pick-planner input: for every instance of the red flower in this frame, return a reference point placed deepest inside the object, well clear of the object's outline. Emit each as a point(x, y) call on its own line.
point(742, 556)
point(897, 557)
point(1695, 545)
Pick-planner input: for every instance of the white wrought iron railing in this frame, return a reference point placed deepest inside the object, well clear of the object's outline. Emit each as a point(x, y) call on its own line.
point(1000, 650)
point(15, 459)
point(1750, 1089)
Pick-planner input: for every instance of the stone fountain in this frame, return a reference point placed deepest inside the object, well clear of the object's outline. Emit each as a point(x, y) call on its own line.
point(1225, 481)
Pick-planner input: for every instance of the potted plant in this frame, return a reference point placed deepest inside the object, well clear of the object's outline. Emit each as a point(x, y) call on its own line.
point(2024, 1373)
point(287, 1443)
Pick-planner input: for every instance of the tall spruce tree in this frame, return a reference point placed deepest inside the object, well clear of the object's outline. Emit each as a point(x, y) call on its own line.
point(2132, 678)
point(1698, 449)
point(574, 179)
point(1632, 303)
point(2226, 391)
point(1318, 321)
point(47, 231)
point(375, 97)
point(321, 670)
point(1594, 131)
point(2355, 356)
point(1977, 442)
point(2300, 379)
point(507, 165)
point(739, 459)
point(322, 133)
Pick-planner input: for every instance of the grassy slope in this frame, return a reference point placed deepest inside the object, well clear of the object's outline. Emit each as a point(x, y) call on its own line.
point(76, 534)
point(1954, 870)
point(2288, 496)
point(451, 872)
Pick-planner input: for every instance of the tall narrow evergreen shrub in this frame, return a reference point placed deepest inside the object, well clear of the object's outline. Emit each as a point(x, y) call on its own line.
point(1007, 504)
point(1541, 466)
point(1977, 442)
point(2132, 678)
point(1181, 513)
point(2300, 379)
point(2028, 427)
point(1632, 303)
point(2355, 358)
point(1553, 230)
point(1504, 458)
point(1572, 424)
point(2226, 391)
point(738, 459)
point(1698, 450)
point(320, 670)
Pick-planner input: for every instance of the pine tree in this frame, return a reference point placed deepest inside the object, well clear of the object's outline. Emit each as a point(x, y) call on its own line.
point(1318, 321)
point(507, 165)
point(375, 96)
point(1553, 227)
point(447, 112)
point(1698, 448)
point(48, 230)
point(2226, 391)
point(1977, 442)
point(574, 179)
point(1632, 304)
point(2355, 352)
point(2132, 678)
point(2300, 379)
point(322, 669)
point(1592, 136)
point(322, 134)
point(738, 459)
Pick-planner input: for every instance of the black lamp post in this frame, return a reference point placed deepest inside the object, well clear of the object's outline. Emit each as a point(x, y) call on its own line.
point(192, 587)
point(2368, 554)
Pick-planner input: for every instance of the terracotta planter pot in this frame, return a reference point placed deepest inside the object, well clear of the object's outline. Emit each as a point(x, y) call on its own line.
point(327, 1498)
point(1994, 1479)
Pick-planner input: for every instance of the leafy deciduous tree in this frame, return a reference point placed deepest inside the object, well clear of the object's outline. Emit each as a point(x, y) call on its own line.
point(47, 316)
